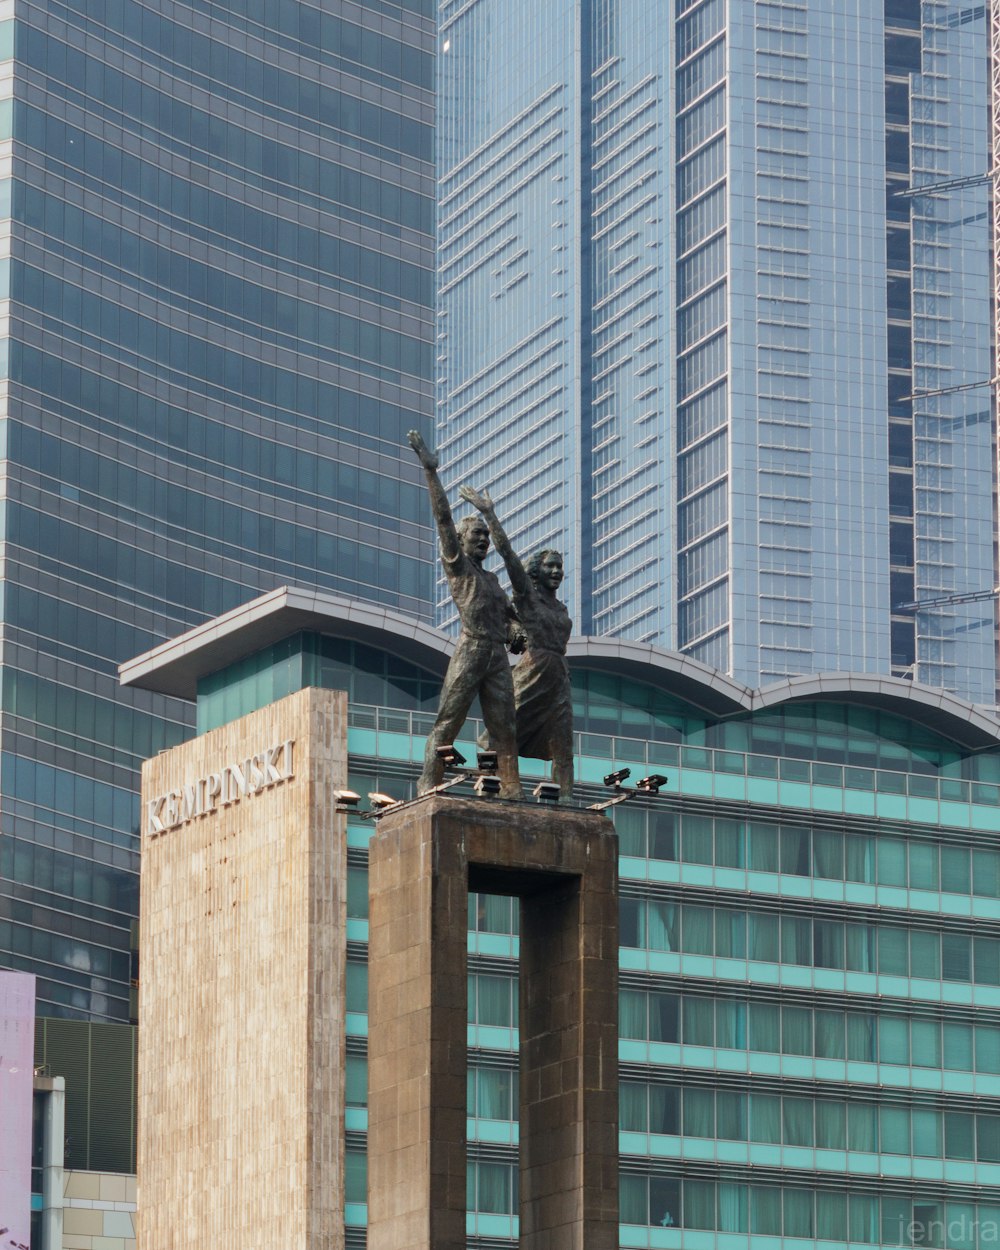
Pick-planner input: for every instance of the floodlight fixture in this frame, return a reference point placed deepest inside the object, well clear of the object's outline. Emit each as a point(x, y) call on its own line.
point(380, 802)
point(651, 784)
point(547, 792)
point(487, 785)
point(347, 800)
point(450, 756)
point(615, 779)
point(487, 761)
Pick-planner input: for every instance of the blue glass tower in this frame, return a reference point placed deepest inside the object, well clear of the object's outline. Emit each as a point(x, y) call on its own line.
point(714, 320)
point(218, 286)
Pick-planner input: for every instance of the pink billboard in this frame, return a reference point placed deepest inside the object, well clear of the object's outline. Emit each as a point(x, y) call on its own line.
point(17, 1053)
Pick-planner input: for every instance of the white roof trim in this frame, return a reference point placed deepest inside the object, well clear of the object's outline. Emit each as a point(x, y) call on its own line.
point(175, 667)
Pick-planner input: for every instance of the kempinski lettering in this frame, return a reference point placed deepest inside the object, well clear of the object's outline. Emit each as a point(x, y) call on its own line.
point(229, 785)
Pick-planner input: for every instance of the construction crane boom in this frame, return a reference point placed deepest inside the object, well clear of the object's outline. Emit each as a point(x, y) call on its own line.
point(943, 601)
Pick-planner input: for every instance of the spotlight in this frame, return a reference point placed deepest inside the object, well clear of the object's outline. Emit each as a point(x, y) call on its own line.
point(546, 792)
point(614, 783)
point(450, 756)
point(487, 761)
point(379, 804)
point(488, 786)
point(651, 784)
point(347, 800)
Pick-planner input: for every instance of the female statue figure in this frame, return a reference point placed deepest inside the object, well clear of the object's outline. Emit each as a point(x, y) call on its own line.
point(542, 697)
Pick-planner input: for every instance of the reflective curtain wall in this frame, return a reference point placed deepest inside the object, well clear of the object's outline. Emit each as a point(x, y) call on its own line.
point(221, 290)
point(697, 330)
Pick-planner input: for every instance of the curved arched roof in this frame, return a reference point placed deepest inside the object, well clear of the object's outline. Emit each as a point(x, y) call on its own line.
point(175, 667)
point(704, 688)
point(945, 713)
point(708, 689)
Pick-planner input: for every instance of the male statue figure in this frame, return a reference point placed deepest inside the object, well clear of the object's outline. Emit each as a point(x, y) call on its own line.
point(479, 664)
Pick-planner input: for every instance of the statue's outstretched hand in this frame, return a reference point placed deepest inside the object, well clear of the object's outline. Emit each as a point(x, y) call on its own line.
point(425, 455)
point(478, 499)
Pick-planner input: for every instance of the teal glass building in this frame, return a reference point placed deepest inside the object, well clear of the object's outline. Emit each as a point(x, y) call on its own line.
point(810, 930)
point(217, 273)
point(714, 320)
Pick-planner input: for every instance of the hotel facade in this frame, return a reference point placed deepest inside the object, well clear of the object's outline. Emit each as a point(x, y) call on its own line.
point(809, 925)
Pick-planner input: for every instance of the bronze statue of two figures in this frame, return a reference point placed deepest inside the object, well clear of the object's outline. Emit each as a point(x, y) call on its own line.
point(529, 712)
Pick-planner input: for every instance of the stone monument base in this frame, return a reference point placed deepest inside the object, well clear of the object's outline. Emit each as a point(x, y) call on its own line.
point(562, 864)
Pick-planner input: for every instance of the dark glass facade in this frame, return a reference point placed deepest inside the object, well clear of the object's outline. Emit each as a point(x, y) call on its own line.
point(941, 419)
point(219, 264)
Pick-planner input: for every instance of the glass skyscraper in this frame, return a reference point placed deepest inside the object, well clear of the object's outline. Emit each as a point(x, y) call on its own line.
point(218, 305)
point(714, 320)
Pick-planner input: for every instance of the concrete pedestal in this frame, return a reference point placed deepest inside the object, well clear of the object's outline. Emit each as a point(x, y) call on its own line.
point(562, 864)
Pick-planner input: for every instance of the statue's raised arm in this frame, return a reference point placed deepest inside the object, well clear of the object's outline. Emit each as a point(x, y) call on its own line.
point(481, 501)
point(450, 545)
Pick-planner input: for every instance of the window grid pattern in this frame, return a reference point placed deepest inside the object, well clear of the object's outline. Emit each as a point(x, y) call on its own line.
point(220, 290)
point(702, 335)
point(508, 294)
point(953, 433)
point(919, 956)
point(766, 846)
point(902, 58)
point(628, 339)
point(834, 1060)
point(664, 1203)
point(805, 1122)
point(831, 1031)
point(783, 321)
point(802, 600)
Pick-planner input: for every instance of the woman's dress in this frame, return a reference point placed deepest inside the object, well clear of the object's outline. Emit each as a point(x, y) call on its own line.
point(542, 693)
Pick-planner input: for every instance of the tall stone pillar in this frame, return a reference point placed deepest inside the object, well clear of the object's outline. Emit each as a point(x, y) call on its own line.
point(241, 1006)
point(562, 864)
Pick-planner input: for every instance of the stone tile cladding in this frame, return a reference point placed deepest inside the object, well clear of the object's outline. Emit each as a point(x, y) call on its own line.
point(241, 1039)
point(98, 1211)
